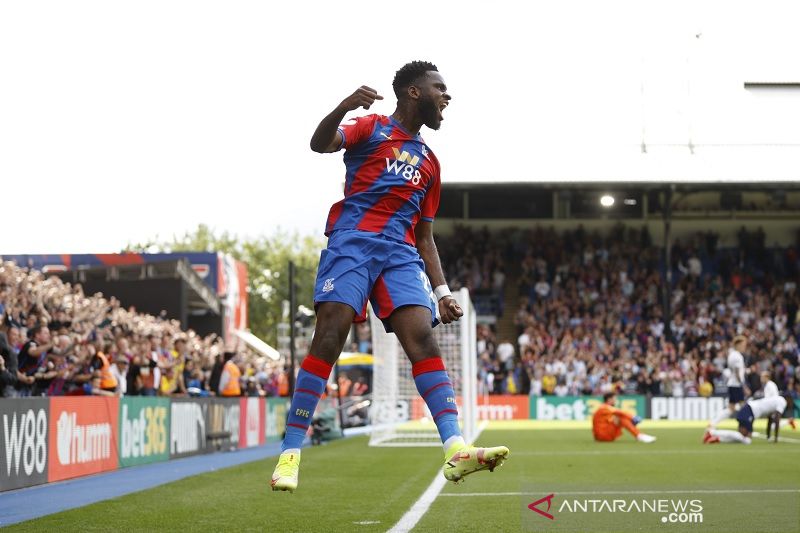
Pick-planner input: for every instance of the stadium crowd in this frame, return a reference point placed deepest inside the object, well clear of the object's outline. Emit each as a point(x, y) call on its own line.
point(590, 314)
point(476, 259)
point(589, 320)
point(55, 340)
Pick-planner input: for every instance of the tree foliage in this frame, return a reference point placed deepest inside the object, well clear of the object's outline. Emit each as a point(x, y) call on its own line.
point(267, 259)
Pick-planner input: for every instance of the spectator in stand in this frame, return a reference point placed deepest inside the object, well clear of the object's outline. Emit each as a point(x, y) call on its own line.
point(345, 383)
point(9, 352)
point(251, 388)
point(120, 370)
point(171, 382)
point(172, 364)
point(360, 387)
point(33, 362)
point(60, 324)
point(196, 385)
point(189, 371)
point(229, 383)
point(7, 378)
point(103, 381)
point(145, 368)
point(79, 375)
point(505, 354)
point(548, 384)
point(216, 374)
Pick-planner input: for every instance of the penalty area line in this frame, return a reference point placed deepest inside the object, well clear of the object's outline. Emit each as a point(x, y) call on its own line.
point(421, 506)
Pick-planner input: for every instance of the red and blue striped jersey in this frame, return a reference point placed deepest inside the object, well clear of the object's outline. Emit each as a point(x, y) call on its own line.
point(392, 180)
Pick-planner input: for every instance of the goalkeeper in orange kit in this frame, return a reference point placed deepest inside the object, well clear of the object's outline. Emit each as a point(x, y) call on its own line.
point(608, 421)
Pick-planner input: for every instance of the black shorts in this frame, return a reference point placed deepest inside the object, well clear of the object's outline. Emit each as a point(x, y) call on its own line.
point(735, 395)
point(745, 418)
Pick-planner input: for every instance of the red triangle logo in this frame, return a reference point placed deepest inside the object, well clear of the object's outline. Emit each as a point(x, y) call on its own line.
point(549, 501)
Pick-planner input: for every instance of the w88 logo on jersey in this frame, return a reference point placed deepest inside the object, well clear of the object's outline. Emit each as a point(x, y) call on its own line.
point(404, 165)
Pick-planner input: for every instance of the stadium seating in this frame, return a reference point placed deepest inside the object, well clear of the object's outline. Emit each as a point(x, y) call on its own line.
point(149, 352)
point(589, 315)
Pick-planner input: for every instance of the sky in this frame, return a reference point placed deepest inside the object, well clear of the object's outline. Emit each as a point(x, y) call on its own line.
point(124, 122)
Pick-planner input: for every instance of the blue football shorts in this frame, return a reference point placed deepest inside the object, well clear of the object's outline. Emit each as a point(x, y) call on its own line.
point(745, 417)
point(360, 266)
point(735, 394)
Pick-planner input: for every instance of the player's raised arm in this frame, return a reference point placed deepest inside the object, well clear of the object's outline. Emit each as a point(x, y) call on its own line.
point(327, 137)
point(448, 307)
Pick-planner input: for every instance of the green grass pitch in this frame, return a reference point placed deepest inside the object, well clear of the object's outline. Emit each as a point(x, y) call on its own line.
point(347, 486)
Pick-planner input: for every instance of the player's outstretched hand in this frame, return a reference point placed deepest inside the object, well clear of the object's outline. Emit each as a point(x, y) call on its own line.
point(363, 97)
point(449, 310)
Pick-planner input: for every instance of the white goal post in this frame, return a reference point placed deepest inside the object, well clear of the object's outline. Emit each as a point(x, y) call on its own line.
point(398, 415)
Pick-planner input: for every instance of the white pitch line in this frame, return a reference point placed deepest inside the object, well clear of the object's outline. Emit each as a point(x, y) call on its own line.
point(623, 492)
point(780, 438)
point(421, 506)
point(699, 451)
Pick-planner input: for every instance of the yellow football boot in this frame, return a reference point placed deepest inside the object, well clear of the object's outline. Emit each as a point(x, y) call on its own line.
point(463, 460)
point(285, 475)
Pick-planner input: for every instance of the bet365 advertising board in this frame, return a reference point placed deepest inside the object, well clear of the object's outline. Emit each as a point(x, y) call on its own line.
point(144, 427)
point(580, 407)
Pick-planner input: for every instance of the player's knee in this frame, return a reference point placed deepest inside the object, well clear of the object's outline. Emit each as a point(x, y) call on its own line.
point(422, 345)
point(327, 344)
point(330, 334)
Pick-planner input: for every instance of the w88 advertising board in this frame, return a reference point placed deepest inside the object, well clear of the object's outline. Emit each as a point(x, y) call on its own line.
point(24, 445)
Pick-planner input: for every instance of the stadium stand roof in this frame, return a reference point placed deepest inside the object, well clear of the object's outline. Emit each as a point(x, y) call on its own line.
point(199, 295)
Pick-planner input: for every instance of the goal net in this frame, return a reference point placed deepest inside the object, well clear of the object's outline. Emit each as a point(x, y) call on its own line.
point(399, 416)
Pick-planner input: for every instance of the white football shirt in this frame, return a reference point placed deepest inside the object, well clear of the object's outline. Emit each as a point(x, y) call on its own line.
point(770, 389)
point(767, 406)
point(736, 365)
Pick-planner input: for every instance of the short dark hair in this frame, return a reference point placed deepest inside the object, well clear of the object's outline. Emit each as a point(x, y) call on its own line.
point(35, 330)
point(409, 73)
point(607, 396)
